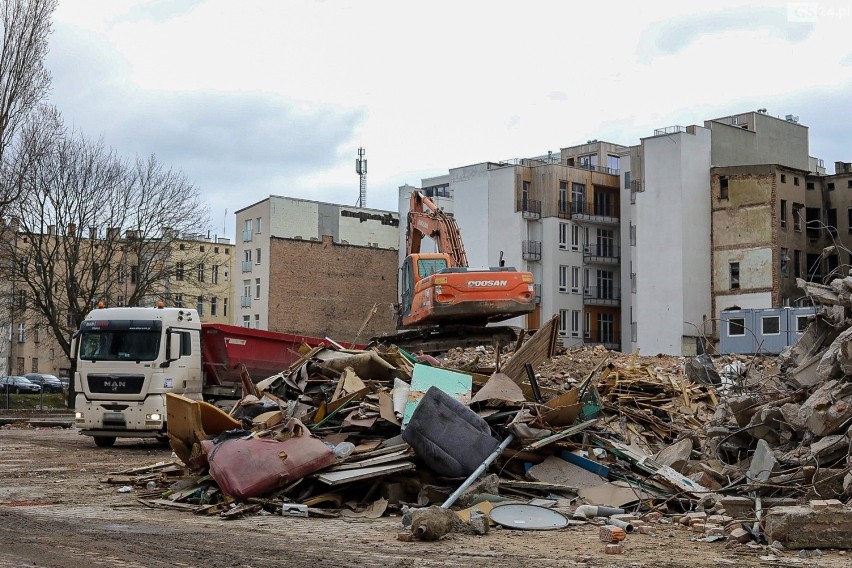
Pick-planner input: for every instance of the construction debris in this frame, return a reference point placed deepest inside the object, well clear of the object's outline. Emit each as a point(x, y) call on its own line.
point(720, 444)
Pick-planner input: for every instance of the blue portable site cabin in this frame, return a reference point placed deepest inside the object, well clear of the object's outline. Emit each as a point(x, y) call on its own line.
point(761, 330)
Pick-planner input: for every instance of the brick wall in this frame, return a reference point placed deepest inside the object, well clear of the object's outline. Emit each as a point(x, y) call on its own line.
point(321, 288)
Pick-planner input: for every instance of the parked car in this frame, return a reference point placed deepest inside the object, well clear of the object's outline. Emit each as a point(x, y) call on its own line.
point(17, 385)
point(66, 382)
point(49, 383)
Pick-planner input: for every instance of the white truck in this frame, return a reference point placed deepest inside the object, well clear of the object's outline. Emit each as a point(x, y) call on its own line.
point(127, 360)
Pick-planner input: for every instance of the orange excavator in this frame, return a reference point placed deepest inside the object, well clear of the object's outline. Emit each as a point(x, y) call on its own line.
point(443, 302)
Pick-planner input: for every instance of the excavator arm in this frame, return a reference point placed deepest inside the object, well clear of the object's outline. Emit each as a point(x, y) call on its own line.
point(425, 218)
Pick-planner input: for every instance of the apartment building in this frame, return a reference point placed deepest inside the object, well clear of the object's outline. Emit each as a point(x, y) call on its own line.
point(313, 268)
point(555, 215)
point(192, 271)
point(723, 216)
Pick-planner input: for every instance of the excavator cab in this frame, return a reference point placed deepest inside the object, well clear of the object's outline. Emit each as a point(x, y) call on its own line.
point(415, 268)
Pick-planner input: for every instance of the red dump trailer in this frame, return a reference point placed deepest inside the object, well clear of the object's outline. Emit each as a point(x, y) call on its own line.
point(264, 353)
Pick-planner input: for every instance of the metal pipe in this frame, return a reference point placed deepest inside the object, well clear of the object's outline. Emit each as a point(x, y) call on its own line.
point(483, 466)
point(592, 511)
point(621, 524)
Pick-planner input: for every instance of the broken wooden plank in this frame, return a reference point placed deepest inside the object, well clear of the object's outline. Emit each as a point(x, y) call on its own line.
point(347, 476)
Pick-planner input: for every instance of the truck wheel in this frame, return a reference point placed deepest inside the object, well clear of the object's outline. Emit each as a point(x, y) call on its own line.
point(104, 441)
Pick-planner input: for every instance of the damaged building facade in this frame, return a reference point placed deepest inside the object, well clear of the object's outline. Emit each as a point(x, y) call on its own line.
point(645, 246)
point(313, 268)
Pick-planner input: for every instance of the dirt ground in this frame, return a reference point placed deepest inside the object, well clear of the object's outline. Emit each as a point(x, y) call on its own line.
point(55, 512)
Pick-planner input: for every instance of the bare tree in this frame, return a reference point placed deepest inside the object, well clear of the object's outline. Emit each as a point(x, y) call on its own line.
point(93, 228)
point(24, 80)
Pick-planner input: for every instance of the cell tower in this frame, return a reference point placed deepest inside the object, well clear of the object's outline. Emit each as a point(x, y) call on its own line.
point(361, 170)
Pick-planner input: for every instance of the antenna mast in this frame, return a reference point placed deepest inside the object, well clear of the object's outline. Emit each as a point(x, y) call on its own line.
point(361, 170)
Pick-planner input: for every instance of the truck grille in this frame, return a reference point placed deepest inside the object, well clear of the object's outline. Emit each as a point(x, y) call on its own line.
point(116, 384)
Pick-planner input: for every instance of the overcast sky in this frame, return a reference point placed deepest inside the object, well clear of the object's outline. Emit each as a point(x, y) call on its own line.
point(256, 97)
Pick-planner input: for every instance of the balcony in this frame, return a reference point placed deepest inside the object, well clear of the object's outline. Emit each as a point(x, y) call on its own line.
point(530, 208)
point(602, 296)
point(564, 210)
point(247, 236)
point(531, 250)
point(245, 301)
point(598, 213)
point(246, 266)
point(601, 254)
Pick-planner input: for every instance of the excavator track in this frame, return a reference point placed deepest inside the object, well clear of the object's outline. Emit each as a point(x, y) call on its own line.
point(442, 339)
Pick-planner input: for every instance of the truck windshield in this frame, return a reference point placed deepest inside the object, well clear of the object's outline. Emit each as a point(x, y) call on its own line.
point(120, 345)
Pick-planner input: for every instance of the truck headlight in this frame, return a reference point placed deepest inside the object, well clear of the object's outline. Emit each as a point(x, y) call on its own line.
point(153, 417)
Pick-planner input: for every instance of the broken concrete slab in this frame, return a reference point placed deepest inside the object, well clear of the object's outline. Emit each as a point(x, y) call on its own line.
point(803, 527)
point(701, 370)
point(828, 408)
point(830, 448)
point(763, 463)
point(676, 456)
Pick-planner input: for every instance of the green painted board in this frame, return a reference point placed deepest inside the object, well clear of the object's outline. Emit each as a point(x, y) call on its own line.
point(457, 385)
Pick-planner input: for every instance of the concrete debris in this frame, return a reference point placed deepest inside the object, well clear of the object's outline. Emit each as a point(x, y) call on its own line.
point(716, 445)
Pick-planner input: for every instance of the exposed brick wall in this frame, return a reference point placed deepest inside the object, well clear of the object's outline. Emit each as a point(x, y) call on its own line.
point(321, 288)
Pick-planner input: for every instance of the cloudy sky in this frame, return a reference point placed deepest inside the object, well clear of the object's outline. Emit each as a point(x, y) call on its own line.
point(256, 97)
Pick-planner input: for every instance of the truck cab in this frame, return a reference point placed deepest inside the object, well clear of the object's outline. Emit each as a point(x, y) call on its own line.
point(127, 360)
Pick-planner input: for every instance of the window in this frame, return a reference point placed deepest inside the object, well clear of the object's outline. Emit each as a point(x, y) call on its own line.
point(575, 237)
point(801, 323)
point(120, 302)
point(723, 187)
point(563, 278)
point(201, 272)
point(575, 279)
point(246, 321)
point(35, 365)
point(736, 327)
point(563, 322)
point(783, 213)
point(179, 271)
point(797, 216)
point(120, 273)
point(134, 274)
point(214, 274)
point(830, 186)
point(257, 321)
point(179, 300)
point(783, 178)
point(37, 334)
point(578, 198)
point(809, 185)
point(735, 275)
point(770, 325)
point(246, 302)
point(257, 256)
point(216, 250)
point(214, 306)
point(22, 299)
point(563, 198)
point(632, 234)
point(247, 255)
point(589, 162)
point(831, 220)
point(257, 288)
point(612, 163)
point(224, 307)
point(797, 263)
point(201, 248)
point(587, 331)
point(22, 332)
point(575, 323)
point(182, 246)
point(200, 305)
point(795, 180)
point(258, 225)
point(563, 234)
point(849, 220)
point(784, 260)
point(848, 184)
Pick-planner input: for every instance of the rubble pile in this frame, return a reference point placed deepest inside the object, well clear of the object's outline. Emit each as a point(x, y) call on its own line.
point(591, 435)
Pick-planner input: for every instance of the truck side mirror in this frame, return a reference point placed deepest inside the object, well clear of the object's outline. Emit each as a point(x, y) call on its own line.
point(173, 353)
point(73, 351)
